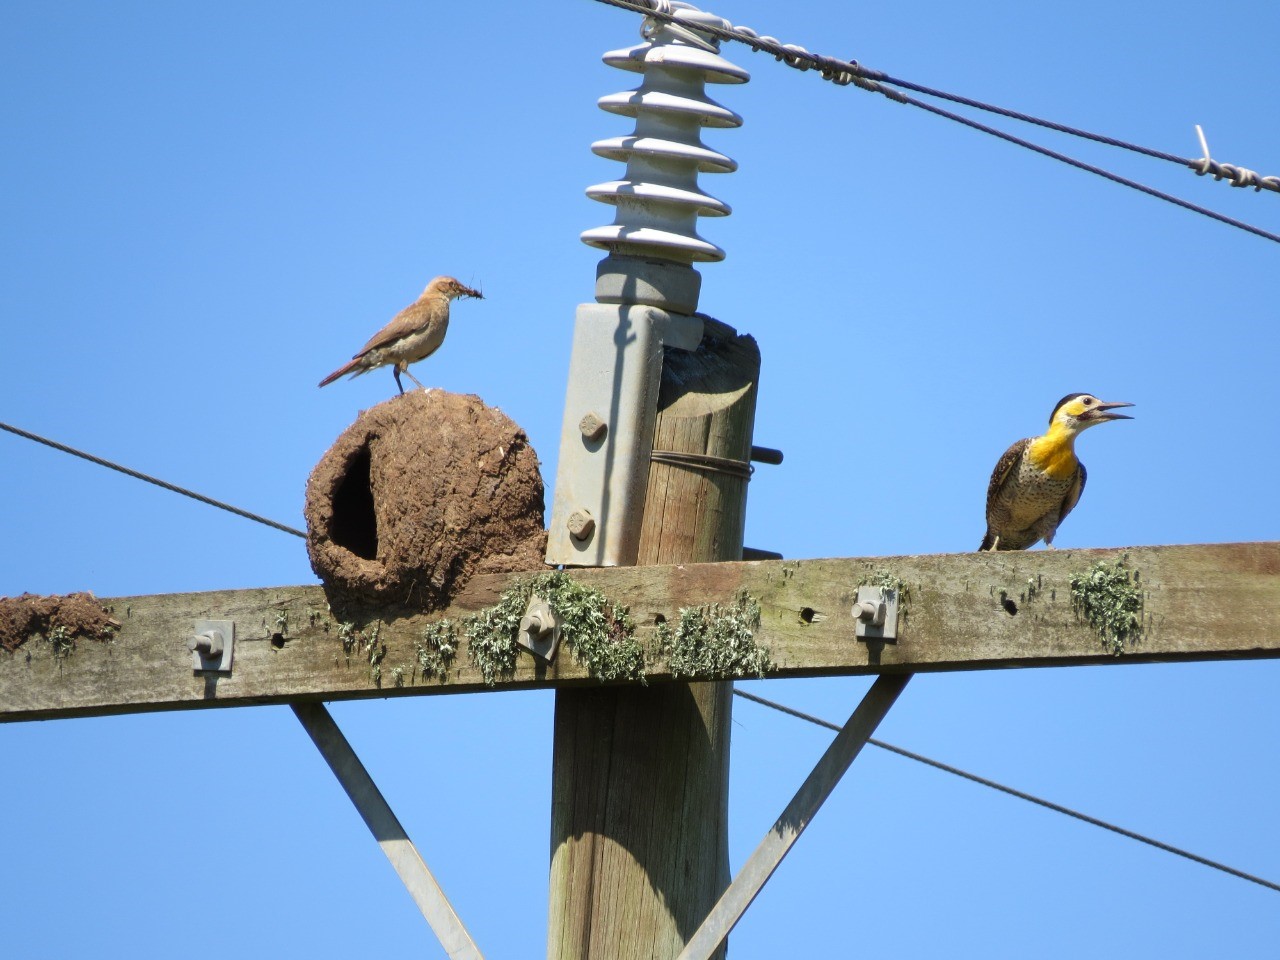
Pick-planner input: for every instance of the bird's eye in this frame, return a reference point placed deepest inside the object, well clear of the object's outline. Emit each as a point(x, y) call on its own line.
point(1087, 401)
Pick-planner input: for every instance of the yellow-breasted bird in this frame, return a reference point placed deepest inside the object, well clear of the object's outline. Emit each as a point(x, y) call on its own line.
point(413, 334)
point(1039, 480)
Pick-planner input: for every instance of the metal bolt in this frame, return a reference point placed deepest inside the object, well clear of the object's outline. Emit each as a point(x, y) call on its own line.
point(766, 455)
point(592, 427)
point(872, 613)
point(209, 643)
point(581, 525)
point(540, 621)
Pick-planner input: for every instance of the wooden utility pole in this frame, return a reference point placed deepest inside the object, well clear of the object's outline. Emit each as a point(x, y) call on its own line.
point(639, 807)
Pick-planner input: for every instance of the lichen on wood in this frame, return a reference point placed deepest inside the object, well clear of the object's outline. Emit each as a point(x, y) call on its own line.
point(366, 644)
point(888, 583)
point(600, 633)
point(1107, 597)
point(437, 649)
point(715, 641)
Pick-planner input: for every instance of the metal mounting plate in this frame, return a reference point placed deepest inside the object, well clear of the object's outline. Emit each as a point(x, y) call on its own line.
point(219, 660)
point(614, 374)
point(884, 625)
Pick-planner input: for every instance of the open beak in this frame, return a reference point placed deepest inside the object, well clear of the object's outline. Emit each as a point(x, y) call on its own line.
point(1104, 411)
point(468, 292)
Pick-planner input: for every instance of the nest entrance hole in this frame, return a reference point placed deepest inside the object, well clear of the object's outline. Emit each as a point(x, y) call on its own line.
point(355, 526)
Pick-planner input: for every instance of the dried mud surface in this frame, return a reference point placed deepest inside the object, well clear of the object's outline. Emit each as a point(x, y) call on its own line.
point(27, 616)
point(419, 494)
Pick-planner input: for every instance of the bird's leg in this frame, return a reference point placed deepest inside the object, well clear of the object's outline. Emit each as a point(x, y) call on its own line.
point(413, 378)
point(395, 370)
point(995, 545)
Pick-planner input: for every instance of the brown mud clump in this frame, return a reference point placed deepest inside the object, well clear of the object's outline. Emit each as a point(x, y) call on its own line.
point(419, 494)
point(60, 618)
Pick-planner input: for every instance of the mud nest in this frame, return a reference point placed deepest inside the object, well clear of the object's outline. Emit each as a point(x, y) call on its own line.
point(61, 617)
point(419, 494)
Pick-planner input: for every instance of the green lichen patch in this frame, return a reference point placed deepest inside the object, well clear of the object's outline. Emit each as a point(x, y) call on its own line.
point(436, 650)
point(888, 584)
point(713, 642)
point(1108, 598)
point(365, 644)
point(63, 642)
point(491, 634)
point(600, 633)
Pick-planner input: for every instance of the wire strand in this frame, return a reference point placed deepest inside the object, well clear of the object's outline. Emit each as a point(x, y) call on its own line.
point(153, 480)
point(1021, 795)
point(790, 711)
point(850, 72)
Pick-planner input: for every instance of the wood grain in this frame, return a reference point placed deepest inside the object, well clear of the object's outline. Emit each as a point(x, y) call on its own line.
point(1204, 602)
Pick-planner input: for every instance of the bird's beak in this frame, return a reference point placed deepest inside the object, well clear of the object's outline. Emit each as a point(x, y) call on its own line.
point(1103, 411)
point(468, 292)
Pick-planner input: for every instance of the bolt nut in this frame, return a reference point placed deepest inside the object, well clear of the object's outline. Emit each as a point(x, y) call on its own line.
point(581, 525)
point(539, 621)
point(208, 643)
point(592, 427)
point(870, 613)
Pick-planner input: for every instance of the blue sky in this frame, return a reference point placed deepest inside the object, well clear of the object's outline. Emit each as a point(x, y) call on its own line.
point(207, 207)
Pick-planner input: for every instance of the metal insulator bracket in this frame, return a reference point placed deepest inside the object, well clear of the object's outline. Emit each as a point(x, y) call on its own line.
point(611, 406)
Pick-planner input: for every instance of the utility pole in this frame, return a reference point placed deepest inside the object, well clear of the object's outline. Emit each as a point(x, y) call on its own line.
point(653, 470)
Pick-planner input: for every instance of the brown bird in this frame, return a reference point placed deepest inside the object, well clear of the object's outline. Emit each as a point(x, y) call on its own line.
point(413, 334)
point(1038, 481)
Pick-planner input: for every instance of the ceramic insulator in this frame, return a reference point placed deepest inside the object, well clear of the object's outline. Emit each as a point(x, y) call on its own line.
point(658, 201)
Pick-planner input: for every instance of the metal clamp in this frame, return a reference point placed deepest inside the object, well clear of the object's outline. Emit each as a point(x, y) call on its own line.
point(876, 613)
point(211, 645)
point(606, 437)
point(539, 630)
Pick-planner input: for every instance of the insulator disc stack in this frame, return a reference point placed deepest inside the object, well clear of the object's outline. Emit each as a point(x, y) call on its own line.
point(658, 199)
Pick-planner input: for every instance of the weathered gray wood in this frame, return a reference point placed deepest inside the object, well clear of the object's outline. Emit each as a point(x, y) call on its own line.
point(640, 775)
point(1207, 602)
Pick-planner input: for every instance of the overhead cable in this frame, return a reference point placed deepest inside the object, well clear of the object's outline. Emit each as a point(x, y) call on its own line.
point(936, 764)
point(1030, 798)
point(150, 479)
point(850, 72)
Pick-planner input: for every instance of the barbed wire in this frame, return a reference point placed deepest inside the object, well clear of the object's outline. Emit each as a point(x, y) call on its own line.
point(1021, 795)
point(851, 72)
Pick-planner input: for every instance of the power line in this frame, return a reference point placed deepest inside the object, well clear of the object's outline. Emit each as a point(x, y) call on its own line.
point(936, 764)
point(150, 479)
point(846, 72)
point(1030, 798)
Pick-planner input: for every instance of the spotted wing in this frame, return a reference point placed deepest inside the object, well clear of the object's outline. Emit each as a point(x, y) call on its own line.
point(1073, 495)
point(1007, 467)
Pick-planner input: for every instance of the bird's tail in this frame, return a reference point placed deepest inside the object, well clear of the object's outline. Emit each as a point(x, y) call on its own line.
point(352, 366)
